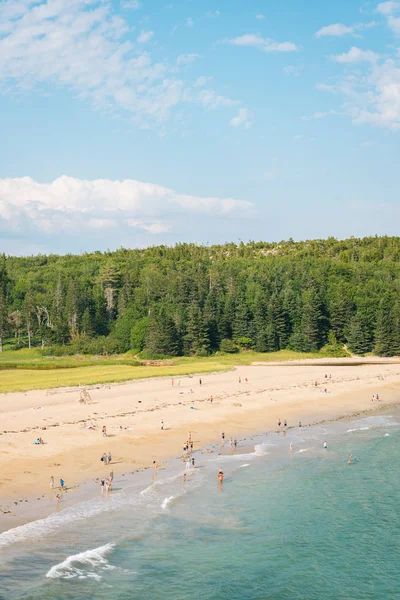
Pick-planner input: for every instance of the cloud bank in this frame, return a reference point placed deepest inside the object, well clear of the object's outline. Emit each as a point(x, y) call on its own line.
point(73, 206)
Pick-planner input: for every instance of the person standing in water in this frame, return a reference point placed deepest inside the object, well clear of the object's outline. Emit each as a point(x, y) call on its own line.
point(51, 482)
point(220, 475)
point(223, 438)
point(300, 426)
point(325, 445)
point(291, 446)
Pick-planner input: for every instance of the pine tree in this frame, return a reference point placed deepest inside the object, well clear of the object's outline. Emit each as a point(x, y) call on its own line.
point(87, 326)
point(241, 323)
point(100, 313)
point(310, 324)
point(3, 300)
point(385, 342)
point(196, 336)
point(357, 339)
point(279, 323)
point(211, 318)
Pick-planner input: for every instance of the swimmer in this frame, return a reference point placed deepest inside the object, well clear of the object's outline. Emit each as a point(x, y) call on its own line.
point(220, 476)
point(291, 446)
point(155, 465)
point(325, 445)
point(184, 478)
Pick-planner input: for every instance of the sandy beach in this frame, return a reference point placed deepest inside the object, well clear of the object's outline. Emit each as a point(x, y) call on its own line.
point(245, 400)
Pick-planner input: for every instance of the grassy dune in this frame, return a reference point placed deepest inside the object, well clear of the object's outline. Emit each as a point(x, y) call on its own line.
point(25, 370)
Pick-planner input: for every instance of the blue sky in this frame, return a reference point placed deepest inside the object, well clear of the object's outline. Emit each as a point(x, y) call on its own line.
point(133, 123)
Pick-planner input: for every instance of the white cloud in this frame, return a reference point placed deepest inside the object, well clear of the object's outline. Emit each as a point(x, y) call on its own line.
point(340, 30)
point(189, 22)
point(372, 91)
point(83, 45)
point(388, 8)
point(74, 206)
point(264, 44)
point(211, 100)
point(243, 119)
point(355, 55)
point(260, 17)
point(132, 4)
point(336, 30)
point(154, 228)
point(202, 81)
point(185, 59)
point(394, 24)
point(320, 115)
point(145, 36)
point(293, 70)
point(213, 15)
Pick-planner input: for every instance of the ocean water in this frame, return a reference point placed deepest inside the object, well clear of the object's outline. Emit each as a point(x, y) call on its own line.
point(298, 524)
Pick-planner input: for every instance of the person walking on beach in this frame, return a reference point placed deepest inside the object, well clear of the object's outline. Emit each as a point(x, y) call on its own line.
point(285, 424)
point(279, 424)
point(235, 443)
point(193, 462)
point(51, 482)
point(240, 380)
point(222, 438)
point(109, 458)
point(188, 464)
point(162, 424)
point(111, 476)
point(200, 382)
point(104, 431)
point(211, 399)
point(62, 483)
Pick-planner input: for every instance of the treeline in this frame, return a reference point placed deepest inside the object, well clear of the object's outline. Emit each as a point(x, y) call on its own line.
point(192, 299)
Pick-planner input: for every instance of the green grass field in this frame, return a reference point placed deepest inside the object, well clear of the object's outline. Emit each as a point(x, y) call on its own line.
point(24, 370)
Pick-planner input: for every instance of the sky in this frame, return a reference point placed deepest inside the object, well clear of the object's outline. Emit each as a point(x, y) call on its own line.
point(130, 123)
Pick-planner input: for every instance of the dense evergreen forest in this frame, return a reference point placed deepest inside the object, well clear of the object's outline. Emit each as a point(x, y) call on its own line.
point(192, 299)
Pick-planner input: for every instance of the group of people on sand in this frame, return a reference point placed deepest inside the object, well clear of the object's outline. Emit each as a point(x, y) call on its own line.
point(106, 458)
point(106, 483)
point(39, 441)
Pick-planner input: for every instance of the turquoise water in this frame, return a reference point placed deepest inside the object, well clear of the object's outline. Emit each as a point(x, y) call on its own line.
point(286, 525)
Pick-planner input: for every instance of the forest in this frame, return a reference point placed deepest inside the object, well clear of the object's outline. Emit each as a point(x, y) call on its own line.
point(191, 300)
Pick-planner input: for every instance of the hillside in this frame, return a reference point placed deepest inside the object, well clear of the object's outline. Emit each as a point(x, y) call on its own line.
point(188, 299)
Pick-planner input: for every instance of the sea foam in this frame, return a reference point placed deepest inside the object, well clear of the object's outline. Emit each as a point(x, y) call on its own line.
point(85, 565)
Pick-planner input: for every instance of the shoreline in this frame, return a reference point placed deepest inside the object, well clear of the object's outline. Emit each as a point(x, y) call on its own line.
point(246, 446)
point(239, 409)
